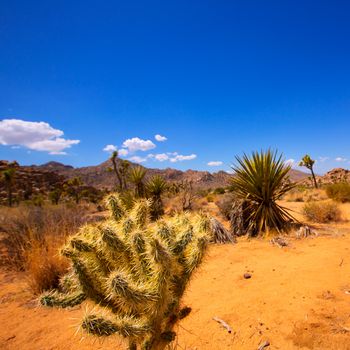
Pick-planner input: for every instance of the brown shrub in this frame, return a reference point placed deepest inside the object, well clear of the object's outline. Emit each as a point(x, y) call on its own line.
point(30, 238)
point(322, 212)
point(44, 265)
point(301, 194)
point(340, 192)
point(224, 203)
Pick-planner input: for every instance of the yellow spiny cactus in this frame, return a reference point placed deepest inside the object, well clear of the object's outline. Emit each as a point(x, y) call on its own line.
point(134, 269)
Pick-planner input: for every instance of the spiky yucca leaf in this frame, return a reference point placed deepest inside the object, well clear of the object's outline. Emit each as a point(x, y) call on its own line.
point(136, 177)
point(260, 180)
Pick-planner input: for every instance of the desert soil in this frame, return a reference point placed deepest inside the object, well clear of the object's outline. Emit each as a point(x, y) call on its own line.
point(298, 297)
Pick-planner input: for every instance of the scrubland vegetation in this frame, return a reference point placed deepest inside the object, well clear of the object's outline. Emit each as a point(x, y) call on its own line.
point(340, 192)
point(134, 253)
point(31, 238)
point(322, 212)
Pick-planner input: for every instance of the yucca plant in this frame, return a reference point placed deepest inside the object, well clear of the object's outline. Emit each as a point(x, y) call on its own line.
point(259, 181)
point(156, 186)
point(136, 177)
point(135, 271)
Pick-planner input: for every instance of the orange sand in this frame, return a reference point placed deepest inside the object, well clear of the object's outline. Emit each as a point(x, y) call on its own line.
point(296, 299)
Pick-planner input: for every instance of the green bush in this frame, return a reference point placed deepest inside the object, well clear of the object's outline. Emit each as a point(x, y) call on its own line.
point(219, 190)
point(322, 212)
point(340, 192)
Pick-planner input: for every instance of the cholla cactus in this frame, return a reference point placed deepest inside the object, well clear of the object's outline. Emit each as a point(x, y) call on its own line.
point(136, 271)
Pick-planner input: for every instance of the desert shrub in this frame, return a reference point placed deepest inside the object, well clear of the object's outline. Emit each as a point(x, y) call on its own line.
point(210, 198)
point(295, 195)
point(340, 192)
point(322, 212)
point(219, 190)
point(225, 205)
point(43, 264)
point(30, 236)
point(312, 195)
point(135, 271)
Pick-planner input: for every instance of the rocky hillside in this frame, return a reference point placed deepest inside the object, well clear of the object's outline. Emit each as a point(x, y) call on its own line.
point(29, 181)
point(99, 177)
point(333, 176)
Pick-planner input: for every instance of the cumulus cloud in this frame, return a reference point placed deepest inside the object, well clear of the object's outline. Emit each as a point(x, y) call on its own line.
point(110, 148)
point(169, 156)
point(123, 152)
point(323, 159)
point(340, 159)
point(180, 158)
point(136, 144)
point(37, 136)
point(160, 138)
point(161, 157)
point(138, 159)
point(215, 163)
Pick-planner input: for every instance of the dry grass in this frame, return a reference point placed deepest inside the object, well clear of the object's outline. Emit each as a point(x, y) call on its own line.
point(323, 212)
point(339, 192)
point(31, 237)
point(305, 195)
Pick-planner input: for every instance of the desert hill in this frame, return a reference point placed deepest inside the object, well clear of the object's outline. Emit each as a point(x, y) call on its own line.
point(99, 177)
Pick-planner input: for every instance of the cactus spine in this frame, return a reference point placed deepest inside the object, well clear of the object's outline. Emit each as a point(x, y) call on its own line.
point(135, 270)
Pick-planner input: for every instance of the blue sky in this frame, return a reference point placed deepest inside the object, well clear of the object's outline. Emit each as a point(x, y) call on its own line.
point(216, 78)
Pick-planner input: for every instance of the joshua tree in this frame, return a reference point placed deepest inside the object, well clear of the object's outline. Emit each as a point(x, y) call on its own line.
point(259, 181)
point(309, 163)
point(156, 187)
point(55, 195)
point(74, 188)
point(136, 177)
point(9, 179)
point(136, 272)
point(116, 170)
point(124, 172)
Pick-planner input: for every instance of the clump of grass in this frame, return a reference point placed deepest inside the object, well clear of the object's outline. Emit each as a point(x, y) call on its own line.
point(322, 212)
point(295, 195)
point(224, 203)
point(29, 241)
point(340, 192)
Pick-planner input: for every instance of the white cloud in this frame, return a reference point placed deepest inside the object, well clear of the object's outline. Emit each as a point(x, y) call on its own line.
point(161, 157)
point(215, 163)
point(160, 138)
point(180, 158)
point(323, 159)
point(137, 144)
point(37, 136)
point(138, 159)
point(110, 148)
point(123, 152)
point(340, 159)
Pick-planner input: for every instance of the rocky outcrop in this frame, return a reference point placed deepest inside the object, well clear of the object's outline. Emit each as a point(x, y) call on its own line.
point(333, 176)
point(28, 182)
point(336, 175)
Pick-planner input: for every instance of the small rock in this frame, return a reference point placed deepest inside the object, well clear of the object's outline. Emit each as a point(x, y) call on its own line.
point(247, 276)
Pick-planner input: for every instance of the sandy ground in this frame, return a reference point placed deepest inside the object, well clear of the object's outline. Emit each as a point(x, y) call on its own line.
point(297, 298)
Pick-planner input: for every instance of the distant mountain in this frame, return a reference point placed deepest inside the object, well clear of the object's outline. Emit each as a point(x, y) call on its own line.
point(99, 177)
